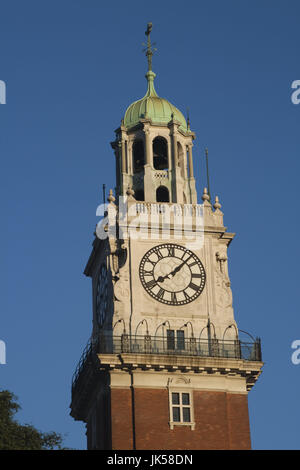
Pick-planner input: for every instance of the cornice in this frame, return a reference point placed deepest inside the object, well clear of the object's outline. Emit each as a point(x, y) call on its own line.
point(250, 370)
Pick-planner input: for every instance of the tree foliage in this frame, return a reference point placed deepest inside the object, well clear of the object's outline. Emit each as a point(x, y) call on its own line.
point(15, 436)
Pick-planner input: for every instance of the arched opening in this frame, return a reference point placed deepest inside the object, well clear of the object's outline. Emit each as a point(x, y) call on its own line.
point(138, 155)
point(162, 194)
point(139, 195)
point(160, 154)
point(180, 158)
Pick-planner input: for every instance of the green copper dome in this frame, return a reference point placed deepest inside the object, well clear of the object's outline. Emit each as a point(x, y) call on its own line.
point(151, 106)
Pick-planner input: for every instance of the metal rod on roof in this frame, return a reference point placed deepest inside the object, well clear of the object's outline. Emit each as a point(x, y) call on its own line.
point(207, 175)
point(103, 188)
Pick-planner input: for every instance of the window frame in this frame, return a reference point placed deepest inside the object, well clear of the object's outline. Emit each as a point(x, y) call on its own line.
point(175, 340)
point(181, 391)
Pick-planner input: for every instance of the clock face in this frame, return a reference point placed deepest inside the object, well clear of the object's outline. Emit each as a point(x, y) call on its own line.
point(172, 274)
point(101, 295)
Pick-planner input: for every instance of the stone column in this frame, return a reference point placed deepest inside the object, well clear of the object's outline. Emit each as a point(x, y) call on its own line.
point(123, 156)
point(148, 159)
point(191, 166)
point(120, 169)
point(175, 153)
point(177, 183)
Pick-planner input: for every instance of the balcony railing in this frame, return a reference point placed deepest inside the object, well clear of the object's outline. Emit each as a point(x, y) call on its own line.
point(110, 344)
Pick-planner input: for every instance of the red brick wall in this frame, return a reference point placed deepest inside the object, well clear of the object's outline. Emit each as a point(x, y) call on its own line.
point(221, 421)
point(238, 421)
point(121, 419)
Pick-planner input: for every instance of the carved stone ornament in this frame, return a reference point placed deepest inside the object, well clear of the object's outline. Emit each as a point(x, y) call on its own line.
point(177, 381)
point(115, 263)
point(121, 290)
point(223, 290)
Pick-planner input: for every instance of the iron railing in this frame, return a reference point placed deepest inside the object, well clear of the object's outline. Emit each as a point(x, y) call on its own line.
point(111, 344)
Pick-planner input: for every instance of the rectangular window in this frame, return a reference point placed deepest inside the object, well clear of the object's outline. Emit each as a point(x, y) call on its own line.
point(175, 398)
point(180, 339)
point(185, 398)
point(186, 415)
point(180, 407)
point(176, 414)
point(170, 339)
point(175, 342)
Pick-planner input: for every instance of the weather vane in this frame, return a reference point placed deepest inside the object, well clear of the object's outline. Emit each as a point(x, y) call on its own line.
point(149, 50)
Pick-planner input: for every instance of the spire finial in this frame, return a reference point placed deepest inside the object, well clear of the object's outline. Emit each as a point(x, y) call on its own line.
point(217, 204)
point(111, 199)
point(205, 196)
point(149, 51)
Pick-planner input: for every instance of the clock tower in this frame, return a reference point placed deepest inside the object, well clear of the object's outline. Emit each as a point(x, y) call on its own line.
point(166, 366)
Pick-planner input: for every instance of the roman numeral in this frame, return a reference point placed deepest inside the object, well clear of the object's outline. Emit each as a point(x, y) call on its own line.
point(186, 261)
point(152, 262)
point(192, 264)
point(158, 254)
point(187, 297)
point(160, 294)
point(147, 273)
point(173, 297)
point(151, 284)
point(171, 251)
point(193, 286)
point(196, 275)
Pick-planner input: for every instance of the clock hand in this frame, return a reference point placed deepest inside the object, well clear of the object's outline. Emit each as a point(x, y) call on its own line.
point(162, 278)
point(172, 273)
point(180, 266)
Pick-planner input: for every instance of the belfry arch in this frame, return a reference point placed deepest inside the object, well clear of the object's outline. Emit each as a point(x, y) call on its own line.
point(162, 194)
point(138, 156)
point(160, 153)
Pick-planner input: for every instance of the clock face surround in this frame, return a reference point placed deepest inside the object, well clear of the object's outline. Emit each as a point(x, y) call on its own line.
point(172, 274)
point(102, 295)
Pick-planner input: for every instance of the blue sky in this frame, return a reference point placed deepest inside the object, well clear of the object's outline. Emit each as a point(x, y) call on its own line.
point(71, 69)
